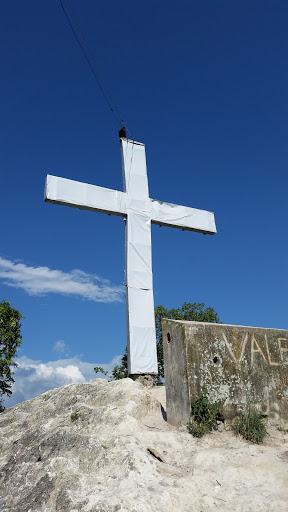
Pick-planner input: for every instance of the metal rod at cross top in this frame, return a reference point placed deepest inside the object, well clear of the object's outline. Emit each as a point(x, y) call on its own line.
point(139, 211)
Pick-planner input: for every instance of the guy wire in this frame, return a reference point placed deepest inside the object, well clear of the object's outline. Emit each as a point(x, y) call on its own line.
point(97, 64)
point(106, 96)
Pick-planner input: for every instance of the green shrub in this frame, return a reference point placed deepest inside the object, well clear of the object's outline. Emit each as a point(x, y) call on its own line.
point(204, 415)
point(251, 426)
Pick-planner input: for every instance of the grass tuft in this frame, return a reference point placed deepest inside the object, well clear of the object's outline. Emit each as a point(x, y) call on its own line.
point(251, 426)
point(196, 429)
point(74, 416)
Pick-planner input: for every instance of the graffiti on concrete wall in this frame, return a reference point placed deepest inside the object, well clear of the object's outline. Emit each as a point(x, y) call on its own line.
point(275, 355)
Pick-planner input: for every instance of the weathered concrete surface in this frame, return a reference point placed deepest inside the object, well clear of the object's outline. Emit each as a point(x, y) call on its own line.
point(120, 455)
point(238, 365)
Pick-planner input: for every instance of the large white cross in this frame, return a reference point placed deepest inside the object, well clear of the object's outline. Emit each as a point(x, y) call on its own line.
point(139, 211)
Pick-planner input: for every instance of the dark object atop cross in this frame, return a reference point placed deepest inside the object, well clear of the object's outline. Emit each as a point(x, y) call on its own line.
point(122, 133)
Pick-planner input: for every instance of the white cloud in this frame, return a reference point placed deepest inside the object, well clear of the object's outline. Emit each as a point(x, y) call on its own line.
point(42, 280)
point(32, 378)
point(60, 347)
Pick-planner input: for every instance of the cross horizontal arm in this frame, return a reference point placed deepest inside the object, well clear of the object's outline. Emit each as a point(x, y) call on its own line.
point(84, 196)
point(182, 217)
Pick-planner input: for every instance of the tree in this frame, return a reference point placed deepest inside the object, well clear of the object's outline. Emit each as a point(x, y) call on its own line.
point(195, 312)
point(192, 312)
point(10, 340)
point(99, 369)
point(121, 372)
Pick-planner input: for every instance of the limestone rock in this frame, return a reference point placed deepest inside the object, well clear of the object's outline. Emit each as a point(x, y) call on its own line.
point(145, 380)
point(105, 447)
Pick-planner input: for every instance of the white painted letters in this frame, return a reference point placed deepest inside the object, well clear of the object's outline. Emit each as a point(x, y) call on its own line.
point(242, 347)
point(256, 350)
point(283, 349)
point(237, 349)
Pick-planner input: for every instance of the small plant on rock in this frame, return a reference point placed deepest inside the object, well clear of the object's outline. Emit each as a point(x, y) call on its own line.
point(74, 416)
point(251, 426)
point(204, 415)
point(196, 429)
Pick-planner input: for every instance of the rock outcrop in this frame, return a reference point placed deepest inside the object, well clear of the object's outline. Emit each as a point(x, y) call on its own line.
point(106, 447)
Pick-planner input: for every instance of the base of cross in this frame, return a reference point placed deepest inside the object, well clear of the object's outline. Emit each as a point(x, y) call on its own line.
point(144, 378)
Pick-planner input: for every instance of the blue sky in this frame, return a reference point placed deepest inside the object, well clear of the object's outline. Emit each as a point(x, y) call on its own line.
point(204, 86)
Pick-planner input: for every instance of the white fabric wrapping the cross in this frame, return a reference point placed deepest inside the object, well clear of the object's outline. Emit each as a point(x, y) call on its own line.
point(139, 211)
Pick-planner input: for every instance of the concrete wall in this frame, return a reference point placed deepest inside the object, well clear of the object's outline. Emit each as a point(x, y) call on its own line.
point(238, 365)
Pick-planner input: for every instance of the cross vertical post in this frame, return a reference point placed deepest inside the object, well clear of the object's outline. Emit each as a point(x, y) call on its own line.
point(141, 346)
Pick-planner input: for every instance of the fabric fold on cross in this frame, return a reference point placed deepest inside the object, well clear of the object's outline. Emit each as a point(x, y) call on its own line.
point(168, 214)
